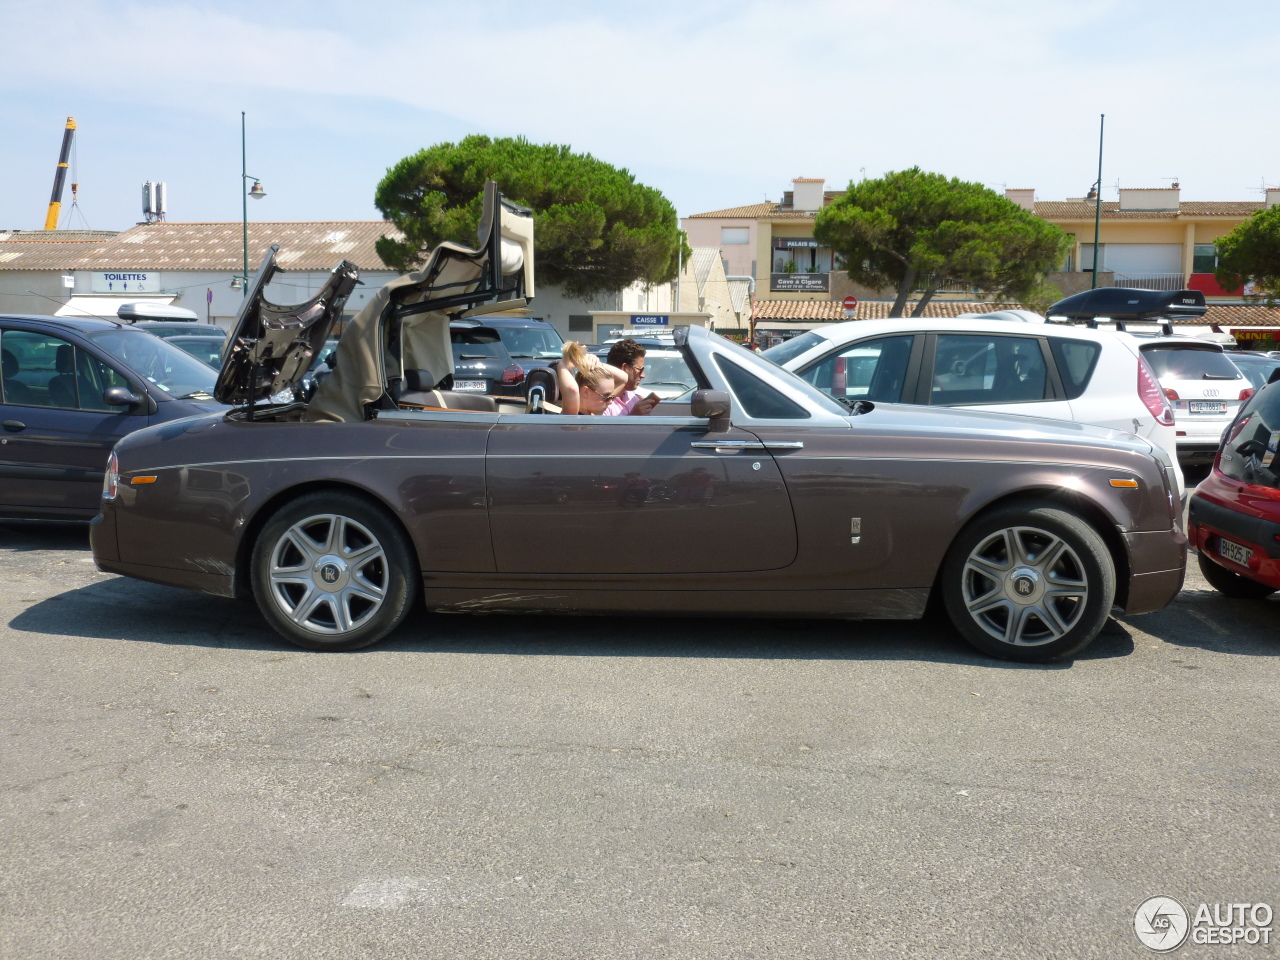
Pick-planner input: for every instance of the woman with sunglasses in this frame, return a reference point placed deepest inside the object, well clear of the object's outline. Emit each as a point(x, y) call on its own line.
point(586, 383)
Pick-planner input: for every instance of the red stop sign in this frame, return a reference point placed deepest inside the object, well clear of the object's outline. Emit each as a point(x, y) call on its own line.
point(851, 303)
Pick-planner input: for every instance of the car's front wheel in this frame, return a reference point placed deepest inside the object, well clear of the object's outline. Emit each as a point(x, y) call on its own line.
point(1232, 584)
point(332, 571)
point(1029, 582)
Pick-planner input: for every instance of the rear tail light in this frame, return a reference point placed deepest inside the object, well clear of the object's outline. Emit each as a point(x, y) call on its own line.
point(838, 377)
point(1246, 393)
point(1152, 398)
point(513, 374)
point(111, 481)
point(1171, 393)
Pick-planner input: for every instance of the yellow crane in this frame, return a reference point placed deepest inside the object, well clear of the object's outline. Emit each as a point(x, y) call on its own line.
point(55, 202)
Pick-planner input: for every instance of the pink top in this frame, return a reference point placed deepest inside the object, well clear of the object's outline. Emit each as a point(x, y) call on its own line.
point(622, 404)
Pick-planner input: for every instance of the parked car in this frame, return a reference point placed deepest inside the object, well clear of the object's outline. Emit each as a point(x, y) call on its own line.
point(71, 389)
point(531, 343)
point(769, 497)
point(1205, 388)
point(1258, 367)
point(665, 371)
point(205, 349)
point(1052, 370)
point(1234, 517)
point(481, 363)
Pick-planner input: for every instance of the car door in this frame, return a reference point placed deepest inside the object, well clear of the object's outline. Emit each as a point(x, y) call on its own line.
point(57, 430)
point(876, 369)
point(1000, 373)
point(633, 495)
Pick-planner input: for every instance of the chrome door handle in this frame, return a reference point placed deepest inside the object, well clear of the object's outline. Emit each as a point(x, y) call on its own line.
point(747, 445)
point(13, 426)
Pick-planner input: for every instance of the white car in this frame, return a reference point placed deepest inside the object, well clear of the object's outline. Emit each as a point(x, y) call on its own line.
point(1051, 370)
point(1204, 386)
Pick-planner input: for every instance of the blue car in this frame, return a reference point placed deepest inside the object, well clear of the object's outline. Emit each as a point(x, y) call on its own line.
point(71, 388)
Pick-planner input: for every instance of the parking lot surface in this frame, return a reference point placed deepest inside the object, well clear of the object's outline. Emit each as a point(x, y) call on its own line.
point(178, 782)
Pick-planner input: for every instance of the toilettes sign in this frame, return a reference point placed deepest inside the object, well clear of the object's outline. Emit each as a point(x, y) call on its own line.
point(126, 281)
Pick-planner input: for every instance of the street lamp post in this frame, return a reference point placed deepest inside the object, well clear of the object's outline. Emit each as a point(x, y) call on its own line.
point(257, 193)
point(1097, 205)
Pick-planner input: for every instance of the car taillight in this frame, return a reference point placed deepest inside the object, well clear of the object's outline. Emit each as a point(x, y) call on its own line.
point(111, 481)
point(1152, 398)
point(1246, 393)
point(838, 381)
point(513, 374)
point(1171, 393)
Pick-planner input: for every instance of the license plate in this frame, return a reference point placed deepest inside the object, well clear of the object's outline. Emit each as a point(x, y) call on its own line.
point(469, 386)
point(1207, 406)
point(1234, 552)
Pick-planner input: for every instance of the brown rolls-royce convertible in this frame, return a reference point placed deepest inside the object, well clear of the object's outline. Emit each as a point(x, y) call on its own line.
point(338, 511)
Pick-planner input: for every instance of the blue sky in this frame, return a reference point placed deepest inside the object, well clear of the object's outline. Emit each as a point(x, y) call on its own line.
point(716, 104)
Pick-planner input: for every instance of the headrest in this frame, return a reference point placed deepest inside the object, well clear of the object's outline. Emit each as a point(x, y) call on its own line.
point(419, 380)
point(65, 361)
point(8, 364)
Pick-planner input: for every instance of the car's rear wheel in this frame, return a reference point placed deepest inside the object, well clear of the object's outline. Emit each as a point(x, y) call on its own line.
point(1029, 582)
point(333, 571)
point(1232, 584)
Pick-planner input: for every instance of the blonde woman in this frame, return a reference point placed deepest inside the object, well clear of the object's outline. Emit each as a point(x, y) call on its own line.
point(586, 384)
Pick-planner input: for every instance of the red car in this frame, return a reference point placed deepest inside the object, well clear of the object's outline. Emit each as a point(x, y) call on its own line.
point(1234, 521)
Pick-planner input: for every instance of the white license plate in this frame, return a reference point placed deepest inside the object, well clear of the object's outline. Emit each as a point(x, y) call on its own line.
point(1235, 552)
point(1207, 406)
point(469, 386)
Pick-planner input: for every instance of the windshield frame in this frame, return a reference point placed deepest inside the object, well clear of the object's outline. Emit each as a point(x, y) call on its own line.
point(204, 377)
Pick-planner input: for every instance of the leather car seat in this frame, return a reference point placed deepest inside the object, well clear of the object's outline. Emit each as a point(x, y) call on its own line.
point(15, 391)
point(542, 383)
point(62, 388)
point(421, 391)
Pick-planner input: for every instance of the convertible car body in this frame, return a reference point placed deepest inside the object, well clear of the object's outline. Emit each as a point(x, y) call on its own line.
point(767, 496)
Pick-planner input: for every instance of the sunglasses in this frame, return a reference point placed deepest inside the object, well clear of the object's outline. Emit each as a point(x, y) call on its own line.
point(606, 397)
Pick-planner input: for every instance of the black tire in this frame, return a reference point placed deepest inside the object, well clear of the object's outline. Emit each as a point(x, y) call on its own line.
point(345, 591)
point(1047, 602)
point(1232, 584)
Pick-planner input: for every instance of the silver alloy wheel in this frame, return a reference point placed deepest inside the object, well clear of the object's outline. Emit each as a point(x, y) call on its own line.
point(1024, 586)
point(329, 574)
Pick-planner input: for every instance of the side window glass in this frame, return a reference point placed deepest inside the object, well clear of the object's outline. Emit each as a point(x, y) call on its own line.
point(869, 370)
point(93, 377)
point(39, 370)
point(757, 399)
point(1076, 360)
point(981, 368)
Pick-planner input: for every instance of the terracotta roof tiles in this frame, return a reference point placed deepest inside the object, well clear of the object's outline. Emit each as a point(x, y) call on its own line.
point(1224, 315)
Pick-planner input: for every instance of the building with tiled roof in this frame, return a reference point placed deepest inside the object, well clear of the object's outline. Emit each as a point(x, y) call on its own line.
point(1149, 238)
point(193, 265)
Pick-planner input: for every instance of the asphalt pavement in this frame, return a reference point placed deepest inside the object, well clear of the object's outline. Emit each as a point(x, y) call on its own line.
point(178, 782)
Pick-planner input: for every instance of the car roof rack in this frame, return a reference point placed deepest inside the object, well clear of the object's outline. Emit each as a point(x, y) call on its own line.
point(1125, 305)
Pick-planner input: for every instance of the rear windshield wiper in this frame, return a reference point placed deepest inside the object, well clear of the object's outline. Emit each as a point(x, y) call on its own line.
point(473, 356)
point(1217, 376)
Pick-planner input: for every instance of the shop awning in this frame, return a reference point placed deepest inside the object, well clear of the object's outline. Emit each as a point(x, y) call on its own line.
point(104, 307)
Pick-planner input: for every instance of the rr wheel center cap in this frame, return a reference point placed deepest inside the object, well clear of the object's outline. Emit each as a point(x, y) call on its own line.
point(1024, 585)
point(331, 573)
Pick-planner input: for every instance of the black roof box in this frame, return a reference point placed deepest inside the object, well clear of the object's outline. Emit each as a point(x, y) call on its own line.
point(1126, 303)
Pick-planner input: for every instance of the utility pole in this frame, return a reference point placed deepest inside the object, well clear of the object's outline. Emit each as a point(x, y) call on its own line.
point(1097, 207)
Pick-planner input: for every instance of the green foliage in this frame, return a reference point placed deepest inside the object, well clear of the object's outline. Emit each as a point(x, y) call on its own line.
point(595, 229)
point(915, 230)
point(1252, 252)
